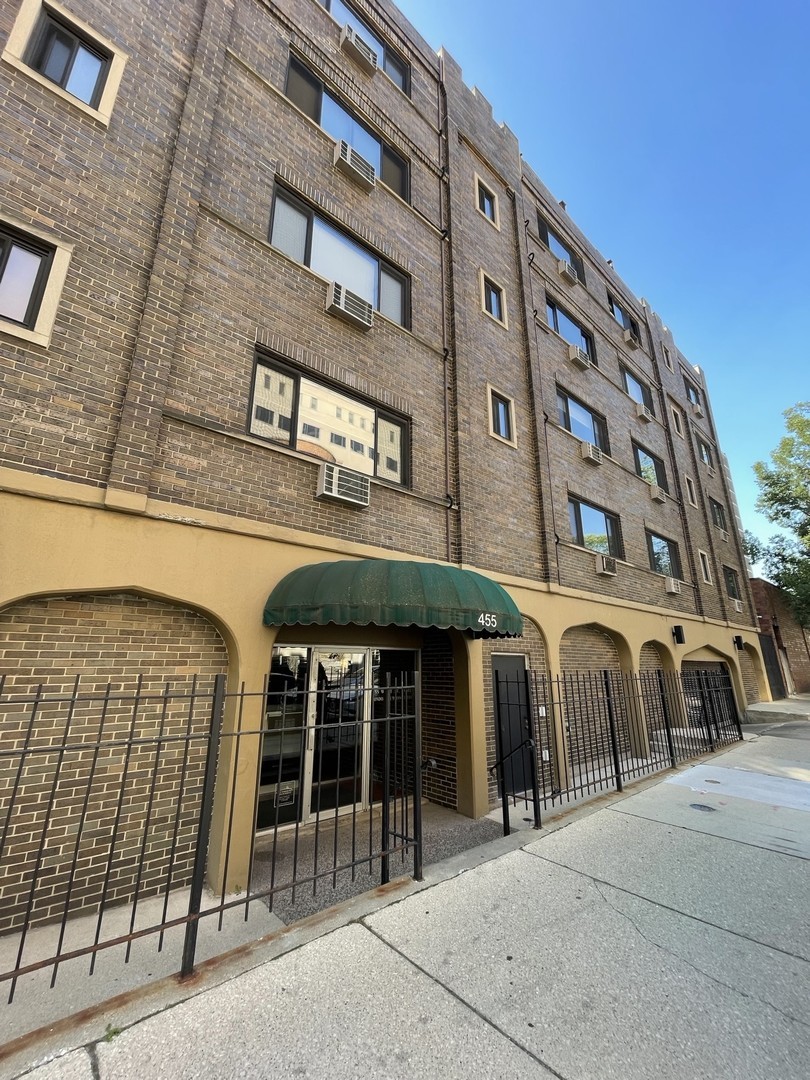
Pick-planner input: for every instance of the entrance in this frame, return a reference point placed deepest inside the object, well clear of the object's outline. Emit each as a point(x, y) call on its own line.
point(325, 711)
point(513, 723)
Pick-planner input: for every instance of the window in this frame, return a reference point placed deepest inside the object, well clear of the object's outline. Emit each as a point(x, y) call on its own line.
point(664, 558)
point(668, 358)
point(718, 513)
point(649, 467)
point(692, 392)
point(705, 570)
point(307, 238)
point(677, 420)
point(391, 62)
point(492, 299)
point(732, 581)
point(559, 247)
point(705, 453)
point(501, 417)
point(594, 528)
point(690, 490)
point(32, 272)
point(280, 412)
point(623, 317)
point(638, 390)
point(580, 421)
point(487, 201)
point(307, 92)
point(570, 329)
point(59, 51)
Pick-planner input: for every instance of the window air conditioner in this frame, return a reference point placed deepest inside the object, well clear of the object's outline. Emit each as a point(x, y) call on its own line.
point(657, 494)
point(567, 271)
point(335, 482)
point(354, 166)
point(738, 606)
point(710, 470)
point(724, 536)
point(349, 306)
point(672, 586)
point(579, 356)
point(697, 410)
point(360, 51)
point(606, 565)
point(590, 452)
point(631, 339)
point(643, 413)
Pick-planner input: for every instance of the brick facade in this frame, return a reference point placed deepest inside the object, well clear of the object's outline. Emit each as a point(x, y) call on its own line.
point(792, 643)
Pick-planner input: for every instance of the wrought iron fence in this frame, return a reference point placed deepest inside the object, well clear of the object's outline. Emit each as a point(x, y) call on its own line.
point(120, 801)
point(592, 731)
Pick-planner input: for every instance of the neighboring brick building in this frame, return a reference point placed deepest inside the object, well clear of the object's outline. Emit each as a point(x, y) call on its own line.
point(192, 410)
point(785, 644)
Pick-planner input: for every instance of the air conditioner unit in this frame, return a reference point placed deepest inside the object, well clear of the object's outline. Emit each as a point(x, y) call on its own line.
point(567, 271)
point(606, 565)
point(631, 339)
point(358, 49)
point(672, 585)
point(657, 494)
point(724, 536)
point(354, 165)
point(344, 485)
point(710, 470)
point(738, 606)
point(590, 453)
point(579, 356)
point(643, 413)
point(349, 306)
point(697, 410)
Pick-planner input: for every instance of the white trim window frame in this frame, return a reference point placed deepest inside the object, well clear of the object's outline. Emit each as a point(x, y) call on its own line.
point(50, 45)
point(33, 268)
point(486, 201)
point(501, 416)
point(493, 299)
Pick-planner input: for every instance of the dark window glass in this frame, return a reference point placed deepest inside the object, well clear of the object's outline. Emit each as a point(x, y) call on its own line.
point(307, 238)
point(732, 583)
point(501, 416)
point(304, 90)
point(486, 202)
point(285, 401)
point(594, 528)
point(649, 467)
point(24, 266)
point(493, 300)
point(569, 328)
point(705, 453)
point(623, 317)
point(559, 247)
point(394, 172)
point(664, 558)
point(692, 392)
point(580, 421)
point(638, 390)
point(67, 59)
point(718, 514)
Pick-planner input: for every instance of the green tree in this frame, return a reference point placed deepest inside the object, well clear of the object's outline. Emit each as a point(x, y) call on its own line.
point(784, 498)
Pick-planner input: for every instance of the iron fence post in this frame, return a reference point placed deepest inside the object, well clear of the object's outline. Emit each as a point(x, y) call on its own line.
point(533, 744)
point(417, 781)
point(704, 697)
point(499, 749)
point(667, 721)
point(614, 742)
point(204, 831)
point(385, 823)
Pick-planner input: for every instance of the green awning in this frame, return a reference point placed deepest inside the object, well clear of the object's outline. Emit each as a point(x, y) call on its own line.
point(393, 593)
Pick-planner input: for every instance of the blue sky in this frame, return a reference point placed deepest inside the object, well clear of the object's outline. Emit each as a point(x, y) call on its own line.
point(678, 135)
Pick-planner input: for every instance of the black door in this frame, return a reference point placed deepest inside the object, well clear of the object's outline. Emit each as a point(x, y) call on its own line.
point(512, 722)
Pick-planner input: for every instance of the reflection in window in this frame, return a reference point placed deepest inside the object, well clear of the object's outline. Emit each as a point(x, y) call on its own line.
point(594, 528)
point(391, 63)
point(62, 56)
point(649, 467)
point(569, 329)
point(664, 558)
point(282, 405)
point(637, 390)
point(580, 421)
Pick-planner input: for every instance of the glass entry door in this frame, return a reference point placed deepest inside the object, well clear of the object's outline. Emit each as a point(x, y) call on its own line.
point(326, 711)
point(336, 772)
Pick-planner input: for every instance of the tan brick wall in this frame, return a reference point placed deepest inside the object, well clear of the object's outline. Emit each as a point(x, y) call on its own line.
point(74, 784)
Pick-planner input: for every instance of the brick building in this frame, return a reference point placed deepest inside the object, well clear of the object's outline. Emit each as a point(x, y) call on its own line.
point(278, 291)
point(785, 644)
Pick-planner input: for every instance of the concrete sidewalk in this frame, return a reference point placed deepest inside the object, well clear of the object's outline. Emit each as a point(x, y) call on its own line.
point(664, 934)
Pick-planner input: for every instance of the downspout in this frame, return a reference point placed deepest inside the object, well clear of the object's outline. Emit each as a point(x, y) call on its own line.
point(448, 314)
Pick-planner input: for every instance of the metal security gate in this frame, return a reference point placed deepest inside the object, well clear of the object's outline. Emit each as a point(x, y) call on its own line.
point(593, 731)
point(107, 808)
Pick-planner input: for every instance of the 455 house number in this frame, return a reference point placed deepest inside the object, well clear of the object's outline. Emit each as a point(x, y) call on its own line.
point(487, 621)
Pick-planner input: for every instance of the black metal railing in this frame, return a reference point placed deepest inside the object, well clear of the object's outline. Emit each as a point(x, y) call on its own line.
point(594, 731)
point(118, 801)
